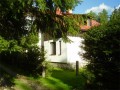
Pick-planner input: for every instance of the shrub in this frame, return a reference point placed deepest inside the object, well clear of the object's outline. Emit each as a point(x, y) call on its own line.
point(102, 46)
point(48, 68)
point(23, 55)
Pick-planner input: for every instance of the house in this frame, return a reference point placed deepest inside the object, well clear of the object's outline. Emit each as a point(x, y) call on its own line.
point(58, 51)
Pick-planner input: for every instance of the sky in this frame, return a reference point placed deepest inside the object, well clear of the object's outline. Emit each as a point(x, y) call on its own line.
point(96, 6)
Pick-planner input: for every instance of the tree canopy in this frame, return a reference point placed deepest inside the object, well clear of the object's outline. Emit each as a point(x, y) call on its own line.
point(14, 12)
point(103, 17)
point(20, 21)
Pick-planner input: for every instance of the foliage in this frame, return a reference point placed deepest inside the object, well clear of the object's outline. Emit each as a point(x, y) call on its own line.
point(60, 23)
point(48, 68)
point(115, 16)
point(25, 62)
point(30, 40)
point(103, 17)
point(5, 79)
point(13, 46)
point(80, 19)
point(89, 76)
point(12, 19)
point(102, 52)
point(93, 15)
point(25, 56)
point(14, 12)
point(3, 44)
point(20, 21)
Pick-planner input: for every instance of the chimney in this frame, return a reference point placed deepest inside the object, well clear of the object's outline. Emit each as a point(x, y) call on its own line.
point(58, 11)
point(89, 22)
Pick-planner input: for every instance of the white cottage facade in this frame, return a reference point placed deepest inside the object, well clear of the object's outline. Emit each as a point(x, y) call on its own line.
point(62, 52)
point(58, 51)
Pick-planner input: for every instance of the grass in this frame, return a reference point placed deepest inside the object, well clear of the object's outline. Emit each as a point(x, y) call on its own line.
point(59, 80)
point(54, 84)
point(21, 86)
point(64, 80)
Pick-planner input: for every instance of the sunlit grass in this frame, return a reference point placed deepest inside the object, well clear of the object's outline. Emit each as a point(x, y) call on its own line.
point(54, 84)
point(59, 80)
point(64, 80)
point(21, 85)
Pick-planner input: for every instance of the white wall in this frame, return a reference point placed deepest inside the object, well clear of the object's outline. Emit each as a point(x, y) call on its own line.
point(56, 58)
point(70, 51)
point(74, 50)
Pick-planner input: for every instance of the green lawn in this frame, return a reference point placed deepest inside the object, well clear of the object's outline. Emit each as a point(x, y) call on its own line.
point(59, 80)
point(64, 80)
point(54, 84)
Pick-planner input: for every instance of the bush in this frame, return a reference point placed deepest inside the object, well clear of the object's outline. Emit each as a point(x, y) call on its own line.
point(48, 68)
point(23, 55)
point(87, 75)
point(102, 46)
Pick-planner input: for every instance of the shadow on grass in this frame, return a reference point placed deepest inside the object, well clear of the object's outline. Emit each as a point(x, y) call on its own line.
point(6, 80)
point(68, 77)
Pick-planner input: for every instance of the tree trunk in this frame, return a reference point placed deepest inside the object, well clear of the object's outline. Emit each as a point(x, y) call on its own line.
point(41, 38)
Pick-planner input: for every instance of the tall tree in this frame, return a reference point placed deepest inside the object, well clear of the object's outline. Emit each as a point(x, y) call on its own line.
point(103, 17)
point(42, 13)
point(12, 18)
point(115, 16)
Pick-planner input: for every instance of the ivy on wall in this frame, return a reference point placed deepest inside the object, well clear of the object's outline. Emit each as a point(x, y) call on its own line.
point(77, 20)
point(80, 18)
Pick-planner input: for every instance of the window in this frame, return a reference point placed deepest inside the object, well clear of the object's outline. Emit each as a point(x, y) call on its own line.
point(53, 48)
point(59, 47)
